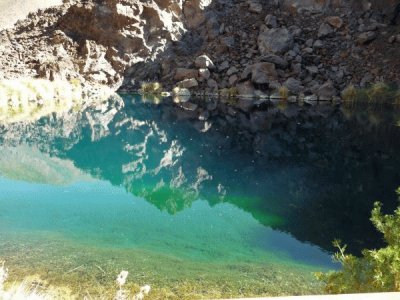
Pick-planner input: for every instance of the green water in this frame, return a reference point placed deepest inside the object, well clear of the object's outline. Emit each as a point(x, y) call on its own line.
point(194, 213)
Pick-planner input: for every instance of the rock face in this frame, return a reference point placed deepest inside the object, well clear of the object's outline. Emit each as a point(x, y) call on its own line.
point(97, 40)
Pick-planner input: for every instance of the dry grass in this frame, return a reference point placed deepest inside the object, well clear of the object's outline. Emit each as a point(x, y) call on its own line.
point(349, 94)
point(229, 92)
point(379, 92)
point(151, 88)
point(283, 92)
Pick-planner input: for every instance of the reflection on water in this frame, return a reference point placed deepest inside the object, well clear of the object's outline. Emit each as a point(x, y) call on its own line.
point(271, 185)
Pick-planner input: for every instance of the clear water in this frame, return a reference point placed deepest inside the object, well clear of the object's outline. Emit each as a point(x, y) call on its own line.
point(195, 208)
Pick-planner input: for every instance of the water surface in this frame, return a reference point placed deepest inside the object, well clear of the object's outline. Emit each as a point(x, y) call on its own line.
point(245, 204)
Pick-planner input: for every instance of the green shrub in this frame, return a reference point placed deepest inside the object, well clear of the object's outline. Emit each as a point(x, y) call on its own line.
point(377, 270)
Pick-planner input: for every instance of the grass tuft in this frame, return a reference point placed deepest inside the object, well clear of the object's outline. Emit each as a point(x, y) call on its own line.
point(151, 88)
point(379, 92)
point(283, 92)
point(229, 92)
point(350, 94)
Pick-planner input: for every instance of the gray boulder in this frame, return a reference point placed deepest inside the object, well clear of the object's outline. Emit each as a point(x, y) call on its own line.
point(366, 37)
point(275, 59)
point(263, 72)
point(183, 73)
point(293, 85)
point(274, 40)
point(271, 21)
point(188, 83)
point(324, 30)
point(326, 91)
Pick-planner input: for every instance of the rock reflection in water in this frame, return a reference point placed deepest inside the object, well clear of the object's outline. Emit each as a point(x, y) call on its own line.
point(311, 171)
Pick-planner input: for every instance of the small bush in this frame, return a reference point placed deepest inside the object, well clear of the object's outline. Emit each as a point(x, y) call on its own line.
point(376, 270)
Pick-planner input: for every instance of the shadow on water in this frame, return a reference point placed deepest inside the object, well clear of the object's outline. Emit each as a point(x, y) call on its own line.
point(311, 171)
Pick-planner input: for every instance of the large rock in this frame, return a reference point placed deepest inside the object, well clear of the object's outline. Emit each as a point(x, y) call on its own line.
point(255, 6)
point(183, 73)
point(260, 73)
point(293, 85)
point(204, 62)
point(98, 42)
point(310, 5)
point(366, 37)
point(276, 60)
point(263, 73)
point(274, 40)
point(246, 89)
point(335, 21)
point(326, 91)
point(188, 83)
point(324, 30)
point(193, 11)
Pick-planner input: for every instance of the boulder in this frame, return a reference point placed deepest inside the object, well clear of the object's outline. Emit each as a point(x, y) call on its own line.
point(324, 30)
point(293, 85)
point(335, 21)
point(274, 40)
point(183, 73)
point(233, 80)
point(326, 91)
point(271, 21)
point(246, 89)
point(303, 5)
point(193, 11)
point(231, 70)
point(212, 84)
point(263, 73)
point(204, 73)
point(366, 37)
point(223, 66)
point(276, 60)
point(188, 83)
point(255, 7)
point(204, 62)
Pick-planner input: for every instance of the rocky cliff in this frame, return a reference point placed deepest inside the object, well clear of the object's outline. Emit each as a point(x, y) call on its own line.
point(310, 46)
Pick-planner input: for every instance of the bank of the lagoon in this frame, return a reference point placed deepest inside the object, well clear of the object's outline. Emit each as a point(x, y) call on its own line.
point(207, 202)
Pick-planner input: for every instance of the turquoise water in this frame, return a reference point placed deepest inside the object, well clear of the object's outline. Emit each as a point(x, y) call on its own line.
point(193, 207)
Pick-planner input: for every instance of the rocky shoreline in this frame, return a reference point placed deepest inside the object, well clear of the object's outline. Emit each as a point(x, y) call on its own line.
point(242, 47)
